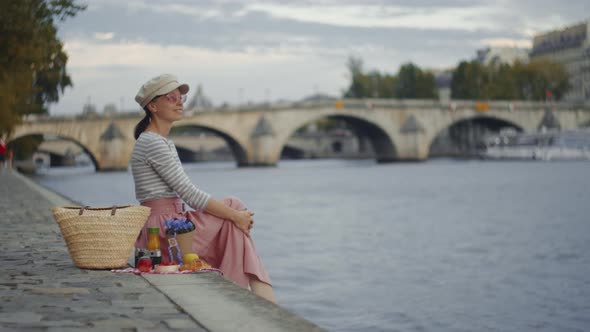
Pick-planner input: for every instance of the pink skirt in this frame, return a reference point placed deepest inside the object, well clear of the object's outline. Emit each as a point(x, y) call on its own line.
point(217, 241)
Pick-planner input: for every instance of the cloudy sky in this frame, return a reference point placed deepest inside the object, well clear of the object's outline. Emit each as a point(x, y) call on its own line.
point(241, 51)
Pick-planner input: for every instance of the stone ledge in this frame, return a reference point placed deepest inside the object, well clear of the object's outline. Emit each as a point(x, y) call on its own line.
point(220, 305)
point(214, 302)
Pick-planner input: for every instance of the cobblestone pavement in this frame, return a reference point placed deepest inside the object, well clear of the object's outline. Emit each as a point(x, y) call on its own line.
point(42, 290)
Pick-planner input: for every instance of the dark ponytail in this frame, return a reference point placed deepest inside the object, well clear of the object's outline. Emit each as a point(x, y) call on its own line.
point(142, 125)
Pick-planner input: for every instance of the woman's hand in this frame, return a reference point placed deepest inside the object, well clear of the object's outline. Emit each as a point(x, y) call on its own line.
point(243, 220)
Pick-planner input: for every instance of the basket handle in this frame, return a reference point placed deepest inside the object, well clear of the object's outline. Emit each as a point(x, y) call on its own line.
point(82, 208)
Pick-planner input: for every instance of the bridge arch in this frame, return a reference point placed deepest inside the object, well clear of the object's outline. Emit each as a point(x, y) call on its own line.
point(465, 133)
point(260, 133)
point(237, 149)
point(382, 143)
point(84, 148)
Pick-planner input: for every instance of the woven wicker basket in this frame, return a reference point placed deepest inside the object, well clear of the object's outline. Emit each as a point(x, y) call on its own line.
point(100, 237)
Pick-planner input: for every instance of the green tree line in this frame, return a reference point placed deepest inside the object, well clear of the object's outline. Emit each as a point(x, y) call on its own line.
point(517, 81)
point(33, 63)
point(409, 82)
point(470, 80)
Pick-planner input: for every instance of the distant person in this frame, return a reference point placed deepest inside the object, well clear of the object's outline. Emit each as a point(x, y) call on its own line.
point(2, 153)
point(222, 235)
point(8, 161)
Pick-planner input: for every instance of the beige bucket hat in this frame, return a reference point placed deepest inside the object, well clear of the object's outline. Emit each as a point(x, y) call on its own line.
point(157, 86)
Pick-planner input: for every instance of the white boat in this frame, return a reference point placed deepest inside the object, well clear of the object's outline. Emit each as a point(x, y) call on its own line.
point(548, 145)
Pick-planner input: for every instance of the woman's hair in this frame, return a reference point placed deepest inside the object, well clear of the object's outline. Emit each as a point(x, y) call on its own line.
point(141, 126)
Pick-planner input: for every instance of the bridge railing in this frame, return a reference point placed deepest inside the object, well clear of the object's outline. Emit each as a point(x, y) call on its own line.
point(369, 103)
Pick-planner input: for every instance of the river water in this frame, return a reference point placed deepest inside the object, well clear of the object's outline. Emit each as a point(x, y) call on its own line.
point(436, 246)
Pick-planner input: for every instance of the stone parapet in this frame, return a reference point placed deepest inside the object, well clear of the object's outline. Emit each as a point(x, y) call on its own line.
point(41, 289)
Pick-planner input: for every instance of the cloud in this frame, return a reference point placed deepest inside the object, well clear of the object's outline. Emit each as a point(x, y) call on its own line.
point(104, 35)
point(107, 72)
point(88, 54)
point(385, 16)
point(508, 42)
point(286, 46)
point(258, 32)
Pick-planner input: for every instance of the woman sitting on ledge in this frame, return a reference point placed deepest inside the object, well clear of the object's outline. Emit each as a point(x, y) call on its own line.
point(222, 235)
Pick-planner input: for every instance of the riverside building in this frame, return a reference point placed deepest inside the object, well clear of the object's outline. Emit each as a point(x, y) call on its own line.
point(571, 47)
point(502, 54)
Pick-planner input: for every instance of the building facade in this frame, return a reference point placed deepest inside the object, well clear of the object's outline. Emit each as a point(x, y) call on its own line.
point(502, 55)
point(571, 47)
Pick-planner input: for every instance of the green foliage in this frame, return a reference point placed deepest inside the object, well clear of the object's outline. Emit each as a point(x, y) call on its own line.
point(466, 80)
point(471, 80)
point(33, 63)
point(358, 86)
point(530, 81)
point(410, 82)
point(24, 147)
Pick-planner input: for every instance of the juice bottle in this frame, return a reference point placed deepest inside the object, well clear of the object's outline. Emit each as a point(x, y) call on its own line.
point(153, 245)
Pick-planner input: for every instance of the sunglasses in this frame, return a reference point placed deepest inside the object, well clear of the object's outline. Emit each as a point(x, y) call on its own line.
point(174, 98)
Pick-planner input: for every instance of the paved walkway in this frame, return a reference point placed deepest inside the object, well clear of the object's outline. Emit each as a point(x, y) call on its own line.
point(41, 289)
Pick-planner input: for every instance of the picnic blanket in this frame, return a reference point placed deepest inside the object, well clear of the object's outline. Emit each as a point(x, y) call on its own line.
point(136, 271)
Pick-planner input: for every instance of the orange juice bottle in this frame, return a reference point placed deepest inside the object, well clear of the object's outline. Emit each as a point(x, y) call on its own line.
point(153, 245)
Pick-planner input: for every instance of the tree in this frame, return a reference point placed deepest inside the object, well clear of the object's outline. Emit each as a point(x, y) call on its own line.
point(541, 75)
point(529, 81)
point(359, 82)
point(467, 80)
point(24, 147)
point(412, 82)
point(387, 86)
point(502, 82)
point(33, 63)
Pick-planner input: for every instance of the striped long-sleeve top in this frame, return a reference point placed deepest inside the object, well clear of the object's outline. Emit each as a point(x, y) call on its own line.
point(157, 172)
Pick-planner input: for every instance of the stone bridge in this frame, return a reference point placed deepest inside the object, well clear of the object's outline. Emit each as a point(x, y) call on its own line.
point(397, 129)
